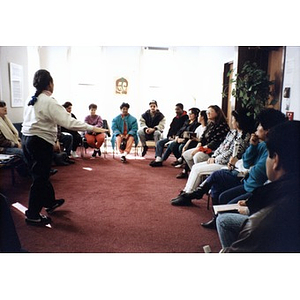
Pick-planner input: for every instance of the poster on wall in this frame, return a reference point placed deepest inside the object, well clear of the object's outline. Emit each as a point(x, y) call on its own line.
point(121, 86)
point(16, 84)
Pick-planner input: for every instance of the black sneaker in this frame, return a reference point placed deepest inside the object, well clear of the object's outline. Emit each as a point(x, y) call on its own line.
point(123, 159)
point(157, 164)
point(145, 149)
point(57, 204)
point(94, 153)
point(99, 152)
point(42, 220)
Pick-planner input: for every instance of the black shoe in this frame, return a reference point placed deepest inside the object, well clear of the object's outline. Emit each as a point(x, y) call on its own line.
point(145, 149)
point(175, 163)
point(123, 159)
point(53, 171)
point(42, 220)
point(198, 194)
point(181, 201)
point(99, 152)
point(152, 162)
point(94, 153)
point(157, 164)
point(210, 224)
point(182, 175)
point(57, 204)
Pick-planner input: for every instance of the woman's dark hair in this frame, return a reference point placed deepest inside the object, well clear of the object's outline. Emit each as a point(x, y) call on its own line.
point(221, 118)
point(2, 104)
point(284, 140)
point(93, 106)
point(67, 104)
point(204, 115)
point(245, 122)
point(195, 111)
point(124, 105)
point(41, 81)
point(269, 117)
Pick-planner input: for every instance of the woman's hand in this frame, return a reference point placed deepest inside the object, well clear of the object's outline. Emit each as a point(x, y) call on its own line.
point(211, 160)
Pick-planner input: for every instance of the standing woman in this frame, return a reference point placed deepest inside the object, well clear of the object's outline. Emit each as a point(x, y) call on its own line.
point(94, 139)
point(124, 127)
point(41, 117)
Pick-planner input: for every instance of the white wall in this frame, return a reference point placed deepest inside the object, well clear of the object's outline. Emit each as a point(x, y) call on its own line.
point(292, 79)
point(84, 75)
point(17, 55)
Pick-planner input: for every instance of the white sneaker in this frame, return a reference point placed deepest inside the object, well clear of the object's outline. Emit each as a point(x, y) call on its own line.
point(74, 154)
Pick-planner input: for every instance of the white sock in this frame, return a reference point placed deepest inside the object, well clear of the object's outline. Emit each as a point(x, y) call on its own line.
point(158, 159)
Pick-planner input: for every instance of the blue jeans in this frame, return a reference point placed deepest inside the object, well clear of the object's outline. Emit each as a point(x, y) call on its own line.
point(229, 226)
point(234, 195)
point(174, 147)
point(223, 180)
point(159, 149)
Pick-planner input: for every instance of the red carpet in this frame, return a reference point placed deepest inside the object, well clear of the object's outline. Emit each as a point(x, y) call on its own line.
point(114, 207)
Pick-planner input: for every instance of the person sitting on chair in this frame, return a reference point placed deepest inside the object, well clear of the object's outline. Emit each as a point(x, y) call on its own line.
point(230, 150)
point(75, 134)
point(124, 127)
point(10, 142)
point(269, 221)
point(176, 124)
point(93, 139)
point(176, 146)
point(152, 124)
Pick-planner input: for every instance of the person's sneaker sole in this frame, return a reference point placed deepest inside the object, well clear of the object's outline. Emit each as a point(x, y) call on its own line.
point(58, 203)
point(42, 221)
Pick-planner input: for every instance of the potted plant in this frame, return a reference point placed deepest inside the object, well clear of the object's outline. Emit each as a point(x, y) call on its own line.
point(252, 89)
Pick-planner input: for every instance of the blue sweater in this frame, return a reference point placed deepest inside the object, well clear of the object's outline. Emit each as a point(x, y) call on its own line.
point(118, 127)
point(255, 159)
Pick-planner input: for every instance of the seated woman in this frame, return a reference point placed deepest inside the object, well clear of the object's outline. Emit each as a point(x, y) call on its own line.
point(75, 134)
point(214, 134)
point(94, 140)
point(180, 140)
point(180, 162)
point(230, 150)
point(10, 143)
point(124, 127)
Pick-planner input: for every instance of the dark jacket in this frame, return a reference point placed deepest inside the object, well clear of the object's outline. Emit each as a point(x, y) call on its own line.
point(187, 126)
point(152, 122)
point(274, 222)
point(214, 135)
point(176, 124)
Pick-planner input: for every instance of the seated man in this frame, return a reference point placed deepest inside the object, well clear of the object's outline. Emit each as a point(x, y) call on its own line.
point(176, 124)
point(75, 134)
point(152, 124)
point(176, 146)
point(274, 209)
point(124, 127)
point(227, 181)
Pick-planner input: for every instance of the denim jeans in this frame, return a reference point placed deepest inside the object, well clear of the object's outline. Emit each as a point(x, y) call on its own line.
point(160, 147)
point(229, 226)
point(223, 180)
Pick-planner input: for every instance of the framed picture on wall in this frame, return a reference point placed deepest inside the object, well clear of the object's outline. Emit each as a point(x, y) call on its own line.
point(121, 86)
point(16, 84)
